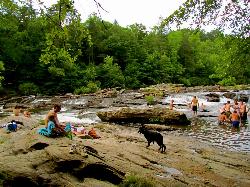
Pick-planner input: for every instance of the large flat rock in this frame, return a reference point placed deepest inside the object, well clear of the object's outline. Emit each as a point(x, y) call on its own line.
point(144, 115)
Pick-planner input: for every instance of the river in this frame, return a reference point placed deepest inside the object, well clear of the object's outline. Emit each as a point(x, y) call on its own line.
point(204, 127)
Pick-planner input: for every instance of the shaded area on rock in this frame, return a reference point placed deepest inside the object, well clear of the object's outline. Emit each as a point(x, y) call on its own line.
point(98, 171)
point(38, 146)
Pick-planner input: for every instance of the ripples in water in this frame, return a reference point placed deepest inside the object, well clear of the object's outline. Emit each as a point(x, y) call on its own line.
point(224, 136)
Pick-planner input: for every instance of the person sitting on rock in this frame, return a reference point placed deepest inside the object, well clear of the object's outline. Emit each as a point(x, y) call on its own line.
point(49, 130)
point(27, 114)
point(16, 110)
point(203, 108)
point(53, 112)
point(52, 130)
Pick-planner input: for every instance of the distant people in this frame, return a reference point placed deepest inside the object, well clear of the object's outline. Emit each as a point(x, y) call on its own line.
point(236, 106)
point(235, 119)
point(16, 110)
point(194, 105)
point(171, 105)
point(27, 114)
point(222, 118)
point(243, 111)
point(228, 109)
point(203, 108)
point(222, 109)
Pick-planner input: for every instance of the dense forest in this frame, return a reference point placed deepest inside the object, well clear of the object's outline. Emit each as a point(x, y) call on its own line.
point(52, 51)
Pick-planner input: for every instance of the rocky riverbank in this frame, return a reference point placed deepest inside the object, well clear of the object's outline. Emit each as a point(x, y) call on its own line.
point(31, 159)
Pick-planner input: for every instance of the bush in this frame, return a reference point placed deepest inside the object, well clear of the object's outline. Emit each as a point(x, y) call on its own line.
point(185, 81)
point(150, 100)
point(230, 81)
point(28, 88)
point(136, 181)
point(90, 88)
point(110, 74)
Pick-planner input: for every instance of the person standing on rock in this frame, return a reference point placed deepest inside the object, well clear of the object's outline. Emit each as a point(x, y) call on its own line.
point(194, 105)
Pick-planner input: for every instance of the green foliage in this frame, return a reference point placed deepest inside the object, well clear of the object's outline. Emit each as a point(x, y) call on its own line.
point(226, 15)
point(1, 77)
point(110, 74)
point(230, 81)
point(62, 54)
point(136, 181)
point(90, 73)
point(90, 88)
point(28, 88)
point(150, 99)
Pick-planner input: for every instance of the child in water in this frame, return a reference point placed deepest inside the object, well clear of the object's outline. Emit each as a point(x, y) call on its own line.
point(203, 108)
point(171, 105)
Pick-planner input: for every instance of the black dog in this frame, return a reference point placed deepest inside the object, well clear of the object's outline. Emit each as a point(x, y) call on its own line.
point(152, 136)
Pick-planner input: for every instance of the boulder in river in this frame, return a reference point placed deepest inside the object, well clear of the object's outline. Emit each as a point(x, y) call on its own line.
point(229, 95)
point(213, 97)
point(243, 97)
point(144, 115)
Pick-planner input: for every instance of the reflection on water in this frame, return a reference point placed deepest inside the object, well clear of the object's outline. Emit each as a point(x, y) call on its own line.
point(205, 127)
point(224, 136)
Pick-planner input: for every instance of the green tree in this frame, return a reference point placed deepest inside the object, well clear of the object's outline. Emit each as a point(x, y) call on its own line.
point(1, 70)
point(110, 74)
point(226, 15)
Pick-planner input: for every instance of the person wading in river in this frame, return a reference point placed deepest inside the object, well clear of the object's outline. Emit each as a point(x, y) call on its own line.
point(243, 111)
point(235, 119)
point(171, 105)
point(194, 105)
point(227, 108)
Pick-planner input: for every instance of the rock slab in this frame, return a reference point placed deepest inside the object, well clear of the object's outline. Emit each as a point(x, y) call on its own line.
point(144, 115)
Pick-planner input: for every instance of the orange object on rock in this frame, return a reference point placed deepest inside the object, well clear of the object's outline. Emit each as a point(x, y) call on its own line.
point(92, 133)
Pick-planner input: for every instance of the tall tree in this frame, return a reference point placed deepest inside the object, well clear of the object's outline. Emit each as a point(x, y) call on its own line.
point(232, 15)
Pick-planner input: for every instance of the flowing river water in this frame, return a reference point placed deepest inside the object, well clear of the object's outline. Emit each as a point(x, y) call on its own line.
point(204, 127)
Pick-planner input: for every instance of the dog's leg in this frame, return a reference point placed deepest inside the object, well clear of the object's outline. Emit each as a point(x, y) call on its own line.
point(163, 148)
point(148, 143)
point(159, 148)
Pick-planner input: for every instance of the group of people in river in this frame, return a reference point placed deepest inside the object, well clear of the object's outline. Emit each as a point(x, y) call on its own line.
point(235, 113)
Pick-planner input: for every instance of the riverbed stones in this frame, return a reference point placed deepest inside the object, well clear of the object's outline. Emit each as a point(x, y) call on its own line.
point(213, 97)
point(229, 95)
point(154, 115)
